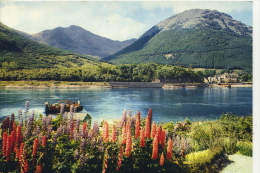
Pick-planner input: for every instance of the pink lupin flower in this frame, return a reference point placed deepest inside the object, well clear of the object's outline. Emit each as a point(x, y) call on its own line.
point(128, 147)
point(155, 148)
point(123, 141)
point(162, 138)
point(105, 131)
point(137, 125)
point(113, 139)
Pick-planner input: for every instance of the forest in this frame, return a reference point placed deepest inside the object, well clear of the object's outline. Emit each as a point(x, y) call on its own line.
point(106, 73)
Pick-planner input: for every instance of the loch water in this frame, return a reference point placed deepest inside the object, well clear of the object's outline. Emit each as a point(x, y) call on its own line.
point(167, 104)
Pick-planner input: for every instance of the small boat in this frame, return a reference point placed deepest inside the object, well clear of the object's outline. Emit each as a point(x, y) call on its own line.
point(56, 107)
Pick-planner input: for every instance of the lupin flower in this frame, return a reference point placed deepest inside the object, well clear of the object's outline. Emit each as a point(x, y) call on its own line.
point(169, 149)
point(82, 159)
point(137, 125)
point(120, 158)
point(95, 128)
point(142, 138)
point(123, 120)
point(123, 140)
point(27, 106)
point(84, 130)
point(39, 168)
point(4, 142)
point(128, 147)
point(147, 127)
point(26, 165)
point(113, 138)
point(162, 160)
point(162, 138)
point(155, 148)
point(154, 130)
point(82, 145)
point(105, 131)
point(35, 146)
point(8, 148)
point(44, 141)
point(62, 109)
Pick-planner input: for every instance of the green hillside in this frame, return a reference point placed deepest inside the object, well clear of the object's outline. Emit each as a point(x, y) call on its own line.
point(201, 48)
point(29, 54)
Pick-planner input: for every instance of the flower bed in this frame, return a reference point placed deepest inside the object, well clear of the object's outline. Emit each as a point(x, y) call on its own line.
point(31, 143)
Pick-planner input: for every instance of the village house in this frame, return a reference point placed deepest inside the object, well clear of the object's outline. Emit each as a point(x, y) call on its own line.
point(224, 78)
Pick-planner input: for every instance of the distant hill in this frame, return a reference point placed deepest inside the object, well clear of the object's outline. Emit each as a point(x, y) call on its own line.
point(77, 39)
point(29, 54)
point(197, 37)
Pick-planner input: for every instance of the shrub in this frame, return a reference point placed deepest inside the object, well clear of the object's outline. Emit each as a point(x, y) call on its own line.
point(245, 148)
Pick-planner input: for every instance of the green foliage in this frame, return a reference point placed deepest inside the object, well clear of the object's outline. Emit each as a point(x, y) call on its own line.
point(202, 47)
point(30, 55)
point(245, 148)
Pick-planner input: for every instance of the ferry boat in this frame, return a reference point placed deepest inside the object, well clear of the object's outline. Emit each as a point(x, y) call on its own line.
point(56, 107)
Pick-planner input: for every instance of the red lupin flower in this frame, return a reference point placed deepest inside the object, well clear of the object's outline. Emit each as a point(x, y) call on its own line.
point(4, 143)
point(21, 150)
point(162, 138)
point(169, 149)
point(39, 168)
point(13, 141)
point(162, 160)
point(18, 136)
point(153, 131)
point(44, 140)
point(137, 125)
point(147, 127)
point(142, 138)
point(35, 146)
point(8, 148)
point(155, 148)
point(26, 165)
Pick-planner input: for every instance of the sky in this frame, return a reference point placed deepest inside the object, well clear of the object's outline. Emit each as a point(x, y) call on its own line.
point(117, 20)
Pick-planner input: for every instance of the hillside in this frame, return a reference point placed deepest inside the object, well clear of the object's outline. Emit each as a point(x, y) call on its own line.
point(201, 38)
point(77, 39)
point(29, 54)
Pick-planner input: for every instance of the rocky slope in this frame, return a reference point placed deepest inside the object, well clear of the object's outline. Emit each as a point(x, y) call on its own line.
point(197, 37)
point(79, 40)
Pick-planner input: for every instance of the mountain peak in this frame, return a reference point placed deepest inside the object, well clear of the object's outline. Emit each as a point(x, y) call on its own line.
point(196, 18)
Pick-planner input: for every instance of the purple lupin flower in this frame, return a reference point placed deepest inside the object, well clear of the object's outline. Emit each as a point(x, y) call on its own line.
point(27, 106)
point(77, 124)
point(29, 126)
point(82, 145)
point(82, 159)
point(49, 131)
point(71, 111)
point(123, 120)
point(62, 109)
point(44, 124)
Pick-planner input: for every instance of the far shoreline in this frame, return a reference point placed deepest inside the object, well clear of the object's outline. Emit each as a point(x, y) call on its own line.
point(81, 85)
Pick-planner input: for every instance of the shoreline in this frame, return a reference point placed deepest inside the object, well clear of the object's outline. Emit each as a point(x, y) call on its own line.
point(78, 85)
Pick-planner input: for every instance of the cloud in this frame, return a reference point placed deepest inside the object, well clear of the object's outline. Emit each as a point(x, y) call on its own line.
point(118, 20)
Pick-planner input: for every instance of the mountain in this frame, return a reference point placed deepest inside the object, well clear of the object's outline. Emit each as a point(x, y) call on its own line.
point(77, 39)
point(29, 54)
point(197, 37)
